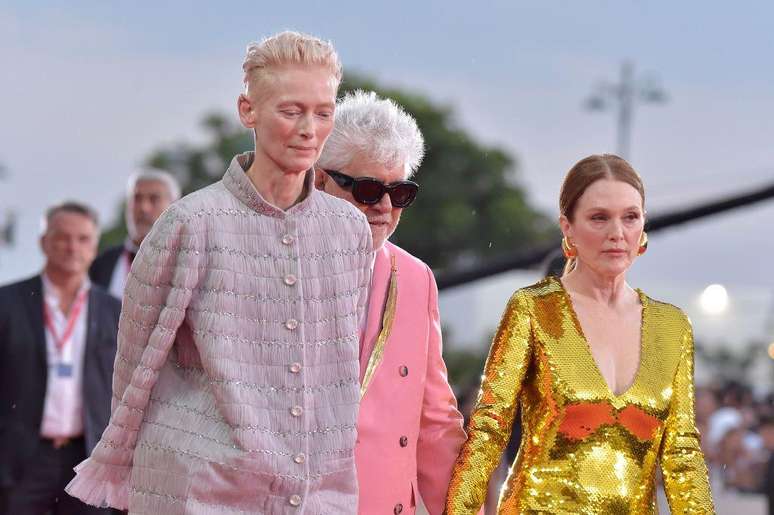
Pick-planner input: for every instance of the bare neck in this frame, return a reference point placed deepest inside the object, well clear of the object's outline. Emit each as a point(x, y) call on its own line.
point(610, 291)
point(278, 187)
point(66, 285)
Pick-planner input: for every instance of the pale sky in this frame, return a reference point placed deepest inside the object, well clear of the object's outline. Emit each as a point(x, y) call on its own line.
point(89, 89)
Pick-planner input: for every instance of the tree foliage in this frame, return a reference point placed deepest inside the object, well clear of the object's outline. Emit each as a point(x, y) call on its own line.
point(470, 205)
point(730, 362)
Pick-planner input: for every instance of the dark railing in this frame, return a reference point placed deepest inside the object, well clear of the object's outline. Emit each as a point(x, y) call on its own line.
point(529, 258)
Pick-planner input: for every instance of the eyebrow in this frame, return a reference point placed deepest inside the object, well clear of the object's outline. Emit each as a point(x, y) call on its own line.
point(296, 103)
point(601, 208)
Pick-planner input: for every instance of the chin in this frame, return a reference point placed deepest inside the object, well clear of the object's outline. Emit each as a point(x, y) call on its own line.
point(298, 165)
point(615, 270)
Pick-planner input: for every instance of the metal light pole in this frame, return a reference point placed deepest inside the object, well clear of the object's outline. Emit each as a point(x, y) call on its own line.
point(623, 96)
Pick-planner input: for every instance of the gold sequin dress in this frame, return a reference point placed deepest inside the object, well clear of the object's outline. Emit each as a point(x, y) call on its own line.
point(584, 450)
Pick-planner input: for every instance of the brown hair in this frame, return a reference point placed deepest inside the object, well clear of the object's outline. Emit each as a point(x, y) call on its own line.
point(586, 172)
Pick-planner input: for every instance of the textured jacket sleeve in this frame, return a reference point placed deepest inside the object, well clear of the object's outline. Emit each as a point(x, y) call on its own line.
point(686, 482)
point(491, 422)
point(362, 302)
point(159, 288)
point(440, 432)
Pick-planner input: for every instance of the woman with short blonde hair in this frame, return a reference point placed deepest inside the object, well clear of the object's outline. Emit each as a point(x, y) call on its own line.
point(236, 382)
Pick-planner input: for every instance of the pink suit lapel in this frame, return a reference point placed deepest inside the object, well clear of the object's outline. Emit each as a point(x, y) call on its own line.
point(379, 286)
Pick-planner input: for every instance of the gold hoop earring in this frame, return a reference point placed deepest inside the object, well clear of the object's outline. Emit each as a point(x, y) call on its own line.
point(643, 244)
point(569, 250)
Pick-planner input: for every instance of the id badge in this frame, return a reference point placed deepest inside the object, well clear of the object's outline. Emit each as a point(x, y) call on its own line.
point(64, 369)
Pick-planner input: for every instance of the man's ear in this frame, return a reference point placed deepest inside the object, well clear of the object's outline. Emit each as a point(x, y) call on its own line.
point(320, 178)
point(247, 111)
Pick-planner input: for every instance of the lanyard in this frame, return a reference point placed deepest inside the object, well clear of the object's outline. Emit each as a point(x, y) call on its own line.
point(75, 312)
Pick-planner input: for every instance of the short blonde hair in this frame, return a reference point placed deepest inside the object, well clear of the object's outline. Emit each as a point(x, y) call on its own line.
point(285, 48)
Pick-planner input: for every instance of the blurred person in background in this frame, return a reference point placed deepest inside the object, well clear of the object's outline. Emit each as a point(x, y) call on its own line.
point(731, 414)
point(706, 405)
point(409, 428)
point(236, 387)
point(603, 374)
point(57, 348)
point(766, 430)
point(148, 193)
point(740, 464)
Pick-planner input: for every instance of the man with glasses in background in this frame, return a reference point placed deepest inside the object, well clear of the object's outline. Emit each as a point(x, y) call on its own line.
point(148, 193)
point(409, 428)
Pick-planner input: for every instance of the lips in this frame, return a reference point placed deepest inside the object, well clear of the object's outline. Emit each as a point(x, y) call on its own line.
point(305, 150)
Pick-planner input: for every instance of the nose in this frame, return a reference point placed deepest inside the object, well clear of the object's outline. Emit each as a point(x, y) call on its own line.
point(384, 205)
point(616, 230)
point(306, 126)
point(70, 244)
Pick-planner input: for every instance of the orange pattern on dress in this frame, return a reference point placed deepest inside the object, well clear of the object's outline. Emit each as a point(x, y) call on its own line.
point(638, 422)
point(582, 420)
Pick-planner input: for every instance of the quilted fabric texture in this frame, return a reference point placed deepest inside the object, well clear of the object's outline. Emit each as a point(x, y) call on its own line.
point(236, 380)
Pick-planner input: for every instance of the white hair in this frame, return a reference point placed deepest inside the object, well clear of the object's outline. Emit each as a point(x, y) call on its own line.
point(375, 129)
point(289, 47)
point(154, 174)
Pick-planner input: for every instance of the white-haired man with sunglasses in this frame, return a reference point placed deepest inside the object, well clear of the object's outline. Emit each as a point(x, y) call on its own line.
point(409, 428)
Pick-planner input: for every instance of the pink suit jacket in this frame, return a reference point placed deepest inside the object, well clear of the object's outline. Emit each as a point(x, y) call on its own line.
point(409, 429)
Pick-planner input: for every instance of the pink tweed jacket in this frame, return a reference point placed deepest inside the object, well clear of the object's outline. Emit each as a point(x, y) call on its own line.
point(236, 381)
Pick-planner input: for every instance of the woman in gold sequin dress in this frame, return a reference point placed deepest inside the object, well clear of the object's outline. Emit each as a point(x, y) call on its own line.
point(602, 372)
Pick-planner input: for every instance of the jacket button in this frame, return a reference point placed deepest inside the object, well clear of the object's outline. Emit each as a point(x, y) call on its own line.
point(296, 411)
point(403, 441)
point(287, 239)
point(295, 500)
point(398, 509)
point(403, 370)
point(291, 324)
point(295, 368)
point(290, 279)
point(299, 458)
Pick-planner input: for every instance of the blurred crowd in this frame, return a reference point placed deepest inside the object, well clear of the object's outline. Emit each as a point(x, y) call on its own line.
point(737, 437)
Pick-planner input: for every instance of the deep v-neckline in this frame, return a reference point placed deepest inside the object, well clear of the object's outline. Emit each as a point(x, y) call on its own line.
point(587, 345)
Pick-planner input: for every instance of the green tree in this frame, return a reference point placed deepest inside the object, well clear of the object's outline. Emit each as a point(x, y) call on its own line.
point(470, 204)
point(730, 362)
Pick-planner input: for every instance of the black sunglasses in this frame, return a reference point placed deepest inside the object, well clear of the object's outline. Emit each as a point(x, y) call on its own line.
point(368, 190)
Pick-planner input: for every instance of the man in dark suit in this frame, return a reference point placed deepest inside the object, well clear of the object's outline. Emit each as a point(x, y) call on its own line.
point(148, 193)
point(57, 347)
